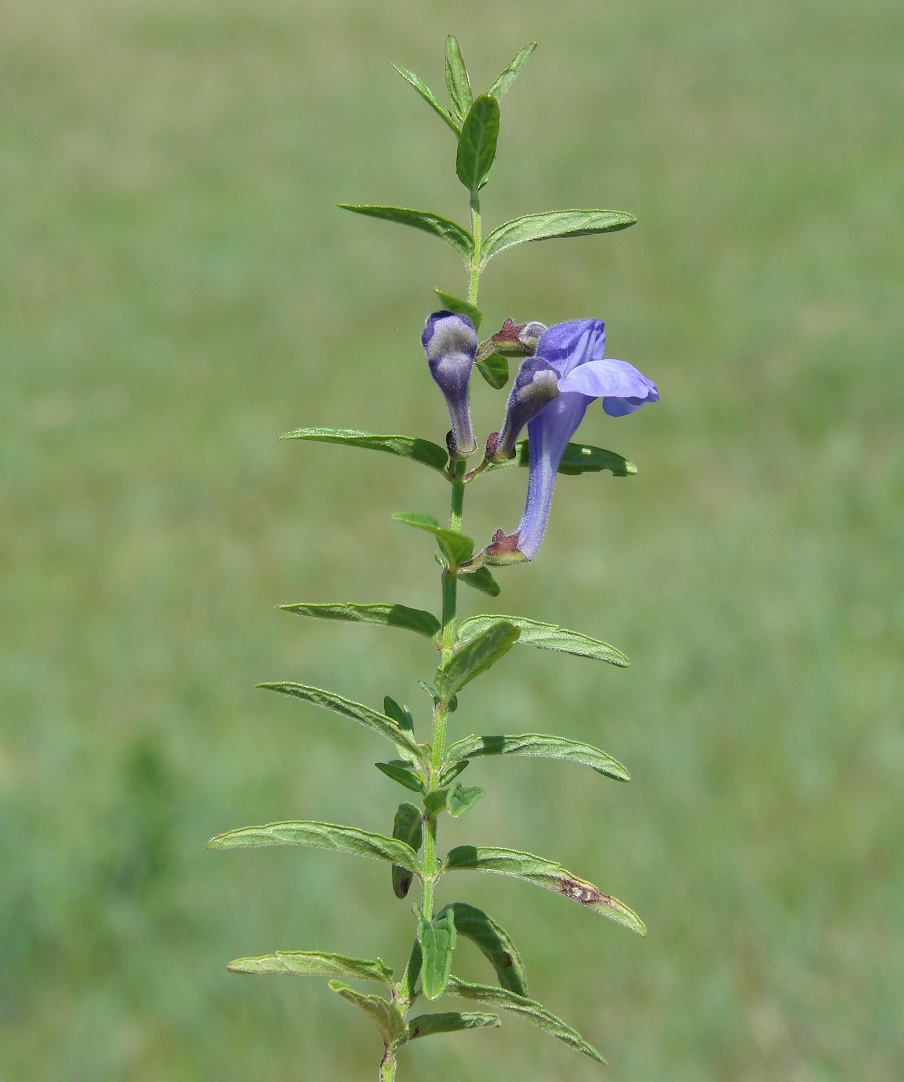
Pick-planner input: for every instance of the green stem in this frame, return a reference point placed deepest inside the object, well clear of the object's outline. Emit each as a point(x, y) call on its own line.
point(474, 265)
point(441, 709)
point(388, 1066)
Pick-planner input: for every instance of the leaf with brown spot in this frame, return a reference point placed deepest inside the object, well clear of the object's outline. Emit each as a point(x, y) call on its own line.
point(543, 873)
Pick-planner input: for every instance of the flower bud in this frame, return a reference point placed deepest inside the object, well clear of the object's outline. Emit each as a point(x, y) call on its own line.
point(450, 343)
point(536, 384)
point(517, 341)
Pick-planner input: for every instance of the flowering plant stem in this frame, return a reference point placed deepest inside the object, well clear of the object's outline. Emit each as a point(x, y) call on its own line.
point(563, 370)
point(441, 708)
point(474, 265)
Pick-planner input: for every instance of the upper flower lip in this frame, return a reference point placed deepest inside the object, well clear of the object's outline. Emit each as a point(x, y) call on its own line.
point(575, 349)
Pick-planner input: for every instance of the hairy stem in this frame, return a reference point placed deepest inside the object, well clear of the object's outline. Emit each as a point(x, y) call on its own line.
point(441, 709)
point(474, 265)
point(388, 1066)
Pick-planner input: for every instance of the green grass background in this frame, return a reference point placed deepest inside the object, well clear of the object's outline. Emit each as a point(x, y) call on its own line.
point(177, 290)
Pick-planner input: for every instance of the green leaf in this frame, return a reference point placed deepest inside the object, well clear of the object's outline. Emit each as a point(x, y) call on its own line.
point(456, 547)
point(451, 771)
point(457, 80)
point(424, 623)
point(508, 76)
point(539, 745)
point(482, 580)
point(423, 451)
point(528, 1009)
point(437, 940)
point(344, 839)
point(425, 1025)
point(401, 715)
point(412, 974)
point(402, 773)
point(384, 1015)
point(475, 656)
point(578, 458)
point(329, 700)
point(494, 942)
point(462, 798)
point(429, 97)
point(477, 143)
point(582, 458)
point(460, 307)
point(435, 801)
point(550, 225)
point(495, 370)
point(451, 232)
point(542, 873)
point(407, 827)
point(314, 964)
point(548, 637)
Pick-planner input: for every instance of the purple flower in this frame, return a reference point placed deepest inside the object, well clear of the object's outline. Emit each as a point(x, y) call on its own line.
point(450, 343)
point(536, 384)
point(575, 350)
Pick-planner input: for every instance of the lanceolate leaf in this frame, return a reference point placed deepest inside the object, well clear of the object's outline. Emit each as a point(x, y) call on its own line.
point(384, 1015)
point(460, 307)
point(550, 225)
point(578, 458)
point(528, 1009)
point(451, 232)
point(407, 827)
point(482, 580)
point(399, 714)
point(541, 746)
point(412, 972)
point(548, 637)
point(462, 798)
point(495, 370)
point(429, 97)
point(508, 76)
point(437, 940)
point(494, 942)
point(475, 657)
point(477, 143)
point(456, 547)
point(457, 81)
point(320, 836)
point(403, 773)
point(314, 964)
point(543, 873)
point(423, 451)
point(424, 623)
point(329, 700)
point(425, 1025)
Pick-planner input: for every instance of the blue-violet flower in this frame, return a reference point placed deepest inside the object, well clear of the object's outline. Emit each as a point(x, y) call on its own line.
point(575, 350)
point(450, 343)
point(536, 384)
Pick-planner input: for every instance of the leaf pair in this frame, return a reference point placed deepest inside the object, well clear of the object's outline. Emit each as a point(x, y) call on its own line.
point(545, 225)
point(577, 458)
point(525, 866)
point(387, 1017)
point(458, 83)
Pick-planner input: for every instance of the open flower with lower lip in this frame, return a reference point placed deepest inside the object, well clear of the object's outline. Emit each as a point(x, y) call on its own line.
point(575, 351)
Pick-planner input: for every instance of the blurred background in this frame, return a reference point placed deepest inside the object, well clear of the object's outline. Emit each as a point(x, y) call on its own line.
point(177, 290)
